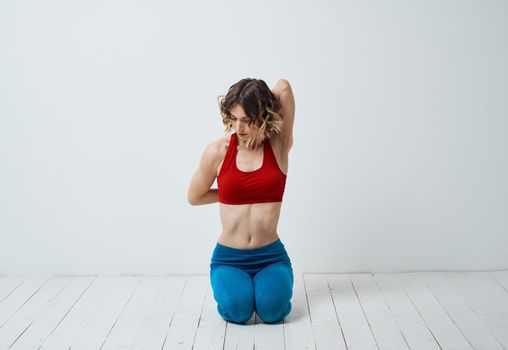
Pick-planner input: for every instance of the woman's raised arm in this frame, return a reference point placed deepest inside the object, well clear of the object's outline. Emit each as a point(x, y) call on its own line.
point(282, 90)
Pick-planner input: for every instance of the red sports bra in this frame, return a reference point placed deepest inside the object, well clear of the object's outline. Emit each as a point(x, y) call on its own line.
point(262, 185)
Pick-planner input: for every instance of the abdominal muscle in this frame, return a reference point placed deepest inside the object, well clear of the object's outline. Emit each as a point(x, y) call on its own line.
point(249, 226)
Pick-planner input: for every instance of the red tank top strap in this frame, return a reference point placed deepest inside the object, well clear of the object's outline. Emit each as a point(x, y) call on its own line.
point(230, 155)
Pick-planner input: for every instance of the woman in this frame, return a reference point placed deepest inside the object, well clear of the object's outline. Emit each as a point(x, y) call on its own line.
point(250, 269)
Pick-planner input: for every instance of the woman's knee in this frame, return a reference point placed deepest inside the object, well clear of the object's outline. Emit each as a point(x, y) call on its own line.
point(271, 312)
point(273, 291)
point(234, 306)
point(234, 293)
point(273, 307)
point(236, 310)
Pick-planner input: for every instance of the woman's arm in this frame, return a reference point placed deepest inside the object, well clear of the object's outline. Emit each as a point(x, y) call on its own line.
point(279, 87)
point(282, 90)
point(199, 188)
point(208, 198)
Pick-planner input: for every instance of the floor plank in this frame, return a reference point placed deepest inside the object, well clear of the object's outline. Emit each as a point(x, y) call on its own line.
point(98, 328)
point(17, 297)
point(183, 328)
point(470, 325)
point(68, 330)
point(328, 332)
point(355, 326)
point(31, 309)
point(475, 296)
point(382, 323)
point(53, 314)
point(442, 327)
point(298, 333)
point(155, 326)
point(409, 320)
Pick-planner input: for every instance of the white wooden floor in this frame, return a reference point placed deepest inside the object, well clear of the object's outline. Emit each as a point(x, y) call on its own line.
point(430, 310)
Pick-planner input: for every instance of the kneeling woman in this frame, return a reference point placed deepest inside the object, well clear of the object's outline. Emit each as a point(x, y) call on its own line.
point(250, 269)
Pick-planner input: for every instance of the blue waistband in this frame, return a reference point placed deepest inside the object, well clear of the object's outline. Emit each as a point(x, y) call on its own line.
point(250, 258)
point(274, 246)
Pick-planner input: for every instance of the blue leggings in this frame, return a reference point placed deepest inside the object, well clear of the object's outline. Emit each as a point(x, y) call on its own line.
point(248, 280)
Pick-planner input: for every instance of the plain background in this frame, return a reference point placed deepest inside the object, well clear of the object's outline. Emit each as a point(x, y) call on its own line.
point(399, 160)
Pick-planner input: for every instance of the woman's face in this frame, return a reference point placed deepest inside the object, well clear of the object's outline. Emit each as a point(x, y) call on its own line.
point(240, 123)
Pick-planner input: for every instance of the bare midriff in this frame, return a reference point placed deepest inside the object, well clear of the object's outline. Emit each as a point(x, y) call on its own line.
point(249, 226)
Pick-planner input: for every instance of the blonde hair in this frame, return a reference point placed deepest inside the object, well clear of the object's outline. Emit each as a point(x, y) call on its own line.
point(259, 103)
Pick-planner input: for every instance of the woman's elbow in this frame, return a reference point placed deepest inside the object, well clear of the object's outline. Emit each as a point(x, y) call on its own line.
point(284, 84)
point(192, 198)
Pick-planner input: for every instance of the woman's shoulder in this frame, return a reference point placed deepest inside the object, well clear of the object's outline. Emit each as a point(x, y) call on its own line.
point(217, 148)
point(222, 143)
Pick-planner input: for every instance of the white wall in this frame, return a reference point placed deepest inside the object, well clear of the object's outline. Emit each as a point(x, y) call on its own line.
point(399, 161)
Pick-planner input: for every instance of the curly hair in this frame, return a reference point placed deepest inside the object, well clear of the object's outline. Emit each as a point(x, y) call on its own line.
point(259, 103)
